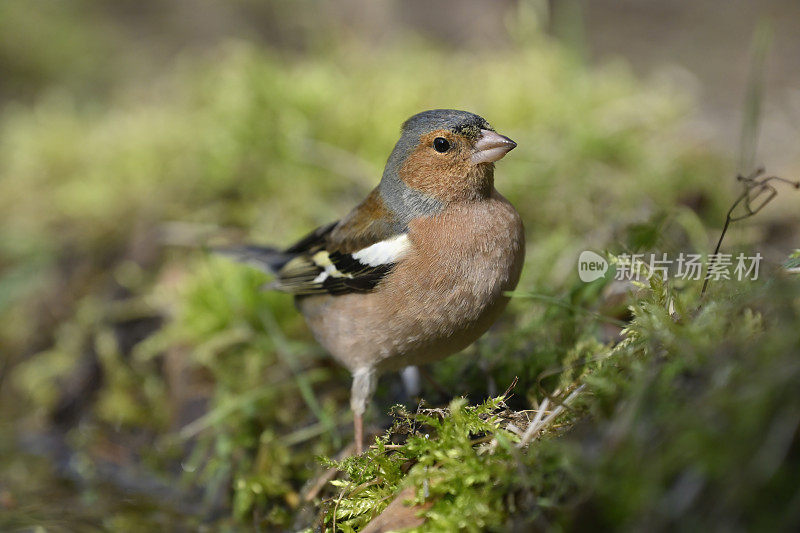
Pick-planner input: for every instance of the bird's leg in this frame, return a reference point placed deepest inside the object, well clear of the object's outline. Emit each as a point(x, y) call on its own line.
point(364, 380)
point(358, 426)
point(410, 377)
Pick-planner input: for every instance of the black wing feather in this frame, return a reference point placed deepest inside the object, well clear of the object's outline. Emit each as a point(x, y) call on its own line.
point(324, 262)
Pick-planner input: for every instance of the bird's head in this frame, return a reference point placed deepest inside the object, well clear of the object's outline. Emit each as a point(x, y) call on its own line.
point(443, 155)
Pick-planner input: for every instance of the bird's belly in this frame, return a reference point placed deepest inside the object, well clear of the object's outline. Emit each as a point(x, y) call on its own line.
point(435, 337)
point(388, 330)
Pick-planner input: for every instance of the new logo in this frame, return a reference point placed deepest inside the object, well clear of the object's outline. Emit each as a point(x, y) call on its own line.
point(591, 266)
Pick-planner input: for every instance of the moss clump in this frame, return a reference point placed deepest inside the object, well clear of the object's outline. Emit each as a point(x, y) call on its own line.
point(461, 460)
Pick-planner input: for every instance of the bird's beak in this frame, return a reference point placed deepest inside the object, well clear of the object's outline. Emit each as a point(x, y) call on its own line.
point(491, 147)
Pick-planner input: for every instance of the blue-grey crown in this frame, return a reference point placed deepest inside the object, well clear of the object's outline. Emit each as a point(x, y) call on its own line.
point(462, 122)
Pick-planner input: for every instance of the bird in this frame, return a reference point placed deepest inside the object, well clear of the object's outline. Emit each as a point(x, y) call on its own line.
point(418, 270)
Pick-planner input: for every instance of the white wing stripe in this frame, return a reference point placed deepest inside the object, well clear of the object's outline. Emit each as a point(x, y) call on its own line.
point(384, 252)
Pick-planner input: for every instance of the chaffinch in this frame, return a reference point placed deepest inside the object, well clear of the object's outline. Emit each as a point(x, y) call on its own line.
point(418, 270)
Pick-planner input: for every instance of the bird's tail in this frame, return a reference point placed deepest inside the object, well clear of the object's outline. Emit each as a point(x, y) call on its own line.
point(265, 258)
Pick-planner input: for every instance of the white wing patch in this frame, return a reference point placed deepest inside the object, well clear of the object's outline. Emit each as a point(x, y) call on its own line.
point(338, 272)
point(384, 252)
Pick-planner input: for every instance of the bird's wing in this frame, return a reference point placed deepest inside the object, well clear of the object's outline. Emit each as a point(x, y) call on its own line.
point(351, 255)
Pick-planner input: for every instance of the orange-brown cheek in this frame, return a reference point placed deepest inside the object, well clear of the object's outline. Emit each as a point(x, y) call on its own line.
point(446, 177)
point(432, 174)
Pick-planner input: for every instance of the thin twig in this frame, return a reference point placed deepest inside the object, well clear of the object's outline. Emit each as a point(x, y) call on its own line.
point(507, 393)
point(754, 187)
point(534, 430)
point(336, 507)
point(535, 422)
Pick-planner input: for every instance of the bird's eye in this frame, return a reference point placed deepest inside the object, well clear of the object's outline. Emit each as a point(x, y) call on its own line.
point(440, 144)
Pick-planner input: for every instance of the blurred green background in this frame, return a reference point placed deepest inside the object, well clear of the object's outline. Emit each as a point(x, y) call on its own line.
point(145, 383)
